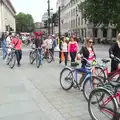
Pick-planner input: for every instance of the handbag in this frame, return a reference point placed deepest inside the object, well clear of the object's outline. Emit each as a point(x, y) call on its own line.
point(62, 56)
point(57, 49)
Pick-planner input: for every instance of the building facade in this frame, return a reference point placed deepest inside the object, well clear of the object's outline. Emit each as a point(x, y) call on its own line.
point(72, 21)
point(7, 16)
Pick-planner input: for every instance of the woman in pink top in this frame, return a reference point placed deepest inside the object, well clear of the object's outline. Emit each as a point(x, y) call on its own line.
point(72, 49)
point(17, 44)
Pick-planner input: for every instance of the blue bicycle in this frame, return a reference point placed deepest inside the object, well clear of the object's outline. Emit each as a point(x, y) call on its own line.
point(87, 81)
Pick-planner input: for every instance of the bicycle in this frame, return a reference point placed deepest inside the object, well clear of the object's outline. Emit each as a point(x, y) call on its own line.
point(47, 54)
point(72, 78)
point(35, 55)
point(108, 76)
point(98, 98)
point(11, 58)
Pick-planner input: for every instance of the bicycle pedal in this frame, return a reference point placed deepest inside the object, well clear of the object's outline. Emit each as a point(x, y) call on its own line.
point(75, 86)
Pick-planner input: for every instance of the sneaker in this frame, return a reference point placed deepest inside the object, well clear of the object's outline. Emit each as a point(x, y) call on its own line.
point(19, 65)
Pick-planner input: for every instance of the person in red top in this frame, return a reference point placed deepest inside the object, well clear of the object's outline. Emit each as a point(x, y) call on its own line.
point(17, 44)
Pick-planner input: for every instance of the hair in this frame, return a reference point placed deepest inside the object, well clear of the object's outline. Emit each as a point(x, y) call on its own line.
point(87, 40)
point(71, 38)
point(118, 37)
point(10, 33)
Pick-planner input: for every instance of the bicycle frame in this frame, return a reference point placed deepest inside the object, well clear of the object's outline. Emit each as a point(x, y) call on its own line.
point(109, 110)
point(86, 71)
point(109, 75)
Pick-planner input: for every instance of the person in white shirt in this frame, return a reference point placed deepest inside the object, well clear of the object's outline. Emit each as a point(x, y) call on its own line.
point(65, 49)
point(8, 41)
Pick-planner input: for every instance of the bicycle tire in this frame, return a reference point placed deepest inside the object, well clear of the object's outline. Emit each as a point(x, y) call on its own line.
point(31, 59)
point(47, 57)
point(13, 60)
point(71, 85)
point(8, 59)
point(94, 92)
point(103, 72)
point(37, 60)
point(85, 84)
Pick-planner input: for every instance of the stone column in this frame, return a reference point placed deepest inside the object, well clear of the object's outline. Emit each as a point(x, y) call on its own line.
point(109, 34)
point(100, 33)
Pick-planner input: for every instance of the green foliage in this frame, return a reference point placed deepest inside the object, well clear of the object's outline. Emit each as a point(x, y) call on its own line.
point(102, 12)
point(24, 22)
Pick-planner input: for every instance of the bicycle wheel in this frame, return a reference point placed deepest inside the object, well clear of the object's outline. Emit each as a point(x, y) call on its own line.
point(8, 57)
point(103, 109)
point(49, 57)
point(89, 85)
point(100, 72)
point(66, 80)
point(31, 58)
point(38, 60)
point(12, 61)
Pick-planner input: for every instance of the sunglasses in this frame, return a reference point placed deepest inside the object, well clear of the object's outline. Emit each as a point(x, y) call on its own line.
point(90, 41)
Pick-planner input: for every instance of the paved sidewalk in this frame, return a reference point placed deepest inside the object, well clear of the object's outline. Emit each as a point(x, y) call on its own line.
point(20, 100)
point(28, 93)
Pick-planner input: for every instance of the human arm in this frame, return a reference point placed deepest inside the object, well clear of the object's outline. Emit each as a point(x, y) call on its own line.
point(111, 51)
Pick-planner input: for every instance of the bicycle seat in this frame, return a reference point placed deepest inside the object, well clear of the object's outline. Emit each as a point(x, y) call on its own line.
point(115, 84)
point(105, 61)
point(74, 64)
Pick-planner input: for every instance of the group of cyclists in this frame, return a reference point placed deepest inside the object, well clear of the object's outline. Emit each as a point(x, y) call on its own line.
point(8, 41)
point(68, 46)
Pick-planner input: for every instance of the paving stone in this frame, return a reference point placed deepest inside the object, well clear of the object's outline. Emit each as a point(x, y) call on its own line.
point(38, 115)
point(58, 107)
point(17, 108)
point(66, 116)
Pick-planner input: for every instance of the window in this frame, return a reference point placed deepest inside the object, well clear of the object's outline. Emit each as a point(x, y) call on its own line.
point(104, 32)
point(114, 32)
point(79, 21)
point(95, 32)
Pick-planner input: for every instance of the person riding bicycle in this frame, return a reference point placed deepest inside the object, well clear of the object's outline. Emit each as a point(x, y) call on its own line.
point(114, 51)
point(17, 44)
point(38, 44)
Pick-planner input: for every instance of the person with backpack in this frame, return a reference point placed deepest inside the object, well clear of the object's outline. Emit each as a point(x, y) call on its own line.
point(17, 44)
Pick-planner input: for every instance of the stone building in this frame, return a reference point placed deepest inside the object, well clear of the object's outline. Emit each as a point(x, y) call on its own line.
point(7, 16)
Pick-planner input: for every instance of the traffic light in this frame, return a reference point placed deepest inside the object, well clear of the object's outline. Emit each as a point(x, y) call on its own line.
point(55, 19)
point(46, 24)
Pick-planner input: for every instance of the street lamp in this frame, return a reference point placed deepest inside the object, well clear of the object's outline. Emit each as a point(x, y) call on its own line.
point(76, 19)
point(49, 17)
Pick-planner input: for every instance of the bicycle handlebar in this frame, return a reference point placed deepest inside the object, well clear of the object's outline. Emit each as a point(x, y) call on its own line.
point(86, 61)
point(116, 58)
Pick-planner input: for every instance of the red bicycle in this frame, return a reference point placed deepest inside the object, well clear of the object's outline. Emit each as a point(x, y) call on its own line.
point(107, 101)
point(103, 72)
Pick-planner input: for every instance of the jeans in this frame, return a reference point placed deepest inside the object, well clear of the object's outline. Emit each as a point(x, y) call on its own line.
point(4, 49)
point(66, 57)
point(40, 52)
point(18, 56)
point(72, 55)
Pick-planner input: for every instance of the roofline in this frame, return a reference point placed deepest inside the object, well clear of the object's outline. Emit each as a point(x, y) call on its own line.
point(9, 2)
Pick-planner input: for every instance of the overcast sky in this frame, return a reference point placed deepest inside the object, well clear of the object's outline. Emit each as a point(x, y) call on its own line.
point(34, 7)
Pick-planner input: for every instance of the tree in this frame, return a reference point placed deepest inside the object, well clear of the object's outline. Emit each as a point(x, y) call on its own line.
point(24, 22)
point(103, 12)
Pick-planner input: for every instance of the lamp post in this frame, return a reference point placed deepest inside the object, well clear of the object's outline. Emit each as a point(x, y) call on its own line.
point(49, 17)
point(76, 20)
